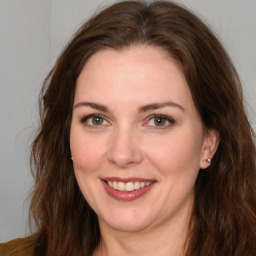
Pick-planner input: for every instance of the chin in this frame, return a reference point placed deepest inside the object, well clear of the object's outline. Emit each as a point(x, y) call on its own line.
point(126, 222)
point(128, 226)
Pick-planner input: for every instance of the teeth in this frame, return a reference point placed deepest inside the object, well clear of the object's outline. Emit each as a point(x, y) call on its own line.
point(137, 185)
point(129, 186)
point(121, 186)
point(114, 184)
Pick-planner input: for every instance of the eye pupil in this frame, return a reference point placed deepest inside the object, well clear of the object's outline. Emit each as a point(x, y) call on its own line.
point(159, 121)
point(97, 120)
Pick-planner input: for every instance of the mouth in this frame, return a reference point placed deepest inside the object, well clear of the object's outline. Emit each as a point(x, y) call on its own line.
point(128, 186)
point(127, 189)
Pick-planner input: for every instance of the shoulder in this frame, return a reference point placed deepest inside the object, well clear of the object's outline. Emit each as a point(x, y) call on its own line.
point(18, 247)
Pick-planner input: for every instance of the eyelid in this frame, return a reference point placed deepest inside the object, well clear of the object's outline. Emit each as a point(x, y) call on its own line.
point(87, 117)
point(167, 118)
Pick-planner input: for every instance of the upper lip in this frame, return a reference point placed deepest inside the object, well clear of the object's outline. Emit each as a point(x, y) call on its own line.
point(126, 180)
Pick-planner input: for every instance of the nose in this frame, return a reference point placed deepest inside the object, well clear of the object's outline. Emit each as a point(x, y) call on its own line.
point(124, 150)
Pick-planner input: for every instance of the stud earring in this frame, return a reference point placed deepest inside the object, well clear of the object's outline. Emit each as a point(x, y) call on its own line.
point(209, 160)
point(71, 158)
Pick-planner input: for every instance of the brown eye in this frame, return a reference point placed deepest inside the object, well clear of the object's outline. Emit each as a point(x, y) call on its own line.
point(97, 120)
point(94, 121)
point(159, 121)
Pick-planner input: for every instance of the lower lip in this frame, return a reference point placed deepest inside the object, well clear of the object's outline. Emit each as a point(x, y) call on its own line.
point(124, 195)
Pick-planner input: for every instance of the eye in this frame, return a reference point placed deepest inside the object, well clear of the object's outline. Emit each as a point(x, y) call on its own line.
point(160, 121)
point(94, 120)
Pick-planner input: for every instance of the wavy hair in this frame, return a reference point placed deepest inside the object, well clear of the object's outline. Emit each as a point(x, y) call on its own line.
point(223, 222)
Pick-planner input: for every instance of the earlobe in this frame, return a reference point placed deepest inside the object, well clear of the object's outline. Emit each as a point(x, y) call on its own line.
point(210, 145)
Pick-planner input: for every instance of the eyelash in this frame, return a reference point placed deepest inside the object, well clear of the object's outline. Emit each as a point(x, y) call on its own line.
point(85, 119)
point(164, 117)
point(171, 121)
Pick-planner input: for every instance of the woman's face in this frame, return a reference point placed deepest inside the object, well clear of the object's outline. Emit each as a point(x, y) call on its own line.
point(136, 139)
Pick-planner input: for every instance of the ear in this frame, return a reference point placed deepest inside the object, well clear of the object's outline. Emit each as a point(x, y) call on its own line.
point(210, 145)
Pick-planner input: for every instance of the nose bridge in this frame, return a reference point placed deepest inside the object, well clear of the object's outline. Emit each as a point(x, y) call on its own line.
point(123, 148)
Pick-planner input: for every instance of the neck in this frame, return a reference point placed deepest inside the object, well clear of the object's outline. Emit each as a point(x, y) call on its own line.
point(168, 238)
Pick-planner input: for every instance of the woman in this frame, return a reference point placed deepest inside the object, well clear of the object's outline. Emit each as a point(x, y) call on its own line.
point(144, 146)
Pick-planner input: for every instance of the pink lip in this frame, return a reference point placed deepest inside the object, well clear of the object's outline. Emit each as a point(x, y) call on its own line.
point(124, 195)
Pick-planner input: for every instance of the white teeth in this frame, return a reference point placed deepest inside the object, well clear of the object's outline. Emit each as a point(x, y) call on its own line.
point(121, 186)
point(114, 184)
point(110, 183)
point(137, 185)
point(129, 186)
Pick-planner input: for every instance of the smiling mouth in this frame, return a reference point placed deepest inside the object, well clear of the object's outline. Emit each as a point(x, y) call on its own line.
point(128, 186)
point(128, 189)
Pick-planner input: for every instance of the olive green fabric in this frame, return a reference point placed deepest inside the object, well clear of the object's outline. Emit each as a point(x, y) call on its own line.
point(18, 247)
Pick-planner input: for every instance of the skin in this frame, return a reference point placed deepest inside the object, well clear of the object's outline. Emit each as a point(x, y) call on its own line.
point(129, 143)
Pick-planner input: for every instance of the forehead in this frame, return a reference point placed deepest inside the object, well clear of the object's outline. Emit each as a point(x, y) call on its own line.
point(141, 73)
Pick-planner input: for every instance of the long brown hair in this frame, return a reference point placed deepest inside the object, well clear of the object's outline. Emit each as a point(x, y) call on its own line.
point(224, 218)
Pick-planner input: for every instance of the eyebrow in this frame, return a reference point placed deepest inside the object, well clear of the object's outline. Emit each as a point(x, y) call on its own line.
point(92, 105)
point(145, 108)
point(160, 105)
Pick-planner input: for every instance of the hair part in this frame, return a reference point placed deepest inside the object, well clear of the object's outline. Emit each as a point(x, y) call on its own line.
point(224, 218)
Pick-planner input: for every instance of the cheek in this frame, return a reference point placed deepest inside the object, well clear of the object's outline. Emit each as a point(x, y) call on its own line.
point(176, 154)
point(88, 152)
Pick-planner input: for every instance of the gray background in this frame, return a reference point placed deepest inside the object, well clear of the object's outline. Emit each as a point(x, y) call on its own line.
point(32, 33)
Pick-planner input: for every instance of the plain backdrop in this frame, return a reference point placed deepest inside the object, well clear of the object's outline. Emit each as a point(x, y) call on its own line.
point(32, 34)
